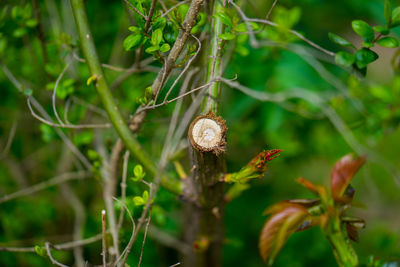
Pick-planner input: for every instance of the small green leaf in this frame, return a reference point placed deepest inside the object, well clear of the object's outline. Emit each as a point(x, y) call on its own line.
point(28, 91)
point(138, 201)
point(227, 36)
point(156, 37)
point(139, 173)
point(132, 41)
point(134, 29)
point(152, 49)
point(395, 17)
point(91, 79)
point(41, 251)
point(148, 92)
point(388, 42)
point(225, 19)
point(344, 58)
point(138, 170)
point(31, 23)
point(159, 23)
point(367, 45)
point(388, 11)
point(364, 56)
point(164, 48)
point(18, 33)
point(381, 29)
point(93, 155)
point(363, 29)
point(339, 40)
point(145, 196)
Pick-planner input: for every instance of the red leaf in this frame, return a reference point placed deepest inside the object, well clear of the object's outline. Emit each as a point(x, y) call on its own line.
point(342, 174)
point(285, 220)
point(316, 189)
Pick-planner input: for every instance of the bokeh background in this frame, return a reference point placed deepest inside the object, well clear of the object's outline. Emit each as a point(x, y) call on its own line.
point(310, 142)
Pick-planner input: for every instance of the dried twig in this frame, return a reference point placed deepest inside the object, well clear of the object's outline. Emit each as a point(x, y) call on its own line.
point(47, 246)
point(81, 126)
point(9, 140)
point(103, 231)
point(43, 185)
point(135, 9)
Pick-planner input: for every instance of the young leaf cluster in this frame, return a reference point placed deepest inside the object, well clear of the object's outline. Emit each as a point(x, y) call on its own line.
point(361, 57)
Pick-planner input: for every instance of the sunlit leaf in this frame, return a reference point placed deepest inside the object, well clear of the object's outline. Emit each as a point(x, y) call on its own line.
point(342, 174)
point(278, 228)
point(363, 29)
point(388, 41)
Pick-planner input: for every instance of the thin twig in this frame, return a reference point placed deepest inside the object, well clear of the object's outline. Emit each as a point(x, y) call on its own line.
point(270, 23)
point(135, 9)
point(128, 247)
point(144, 239)
point(80, 126)
point(53, 98)
point(123, 188)
point(47, 246)
point(43, 112)
point(62, 246)
point(43, 185)
point(185, 69)
point(9, 140)
point(173, 7)
point(103, 231)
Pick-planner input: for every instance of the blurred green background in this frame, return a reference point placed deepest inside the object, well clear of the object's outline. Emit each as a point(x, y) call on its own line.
point(310, 142)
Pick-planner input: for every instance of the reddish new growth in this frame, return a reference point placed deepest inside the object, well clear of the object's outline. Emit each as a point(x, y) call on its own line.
point(260, 161)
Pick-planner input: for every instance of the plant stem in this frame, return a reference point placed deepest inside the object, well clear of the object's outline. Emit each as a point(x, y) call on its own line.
point(205, 214)
point(214, 61)
point(343, 251)
point(89, 51)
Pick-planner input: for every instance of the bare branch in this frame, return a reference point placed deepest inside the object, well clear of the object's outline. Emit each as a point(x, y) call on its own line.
point(43, 185)
point(135, 9)
point(144, 239)
point(81, 126)
point(185, 68)
point(9, 140)
point(104, 244)
point(47, 246)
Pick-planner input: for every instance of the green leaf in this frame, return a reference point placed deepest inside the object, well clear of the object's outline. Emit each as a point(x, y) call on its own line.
point(164, 48)
point(363, 29)
point(388, 11)
point(31, 23)
point(339, 40)
point(159, 23)
point(134, 29)
point(382, 30)
point(364, 56)
point(132, 41)
point(138, 171)
point(156, 37)
point(148, 92)
point(18, 33)
point(388, 42)
point(91, 79)
point(138, 201)
point(145, 196)
point(83, 138)
point(344, 58)
point(367, 45)
point(28, 91)
point(395, 17)
point(48, 133)
point(227, 36)
point(41, 251)
point(225, 19)
point(93, 155)
point(152, 49)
